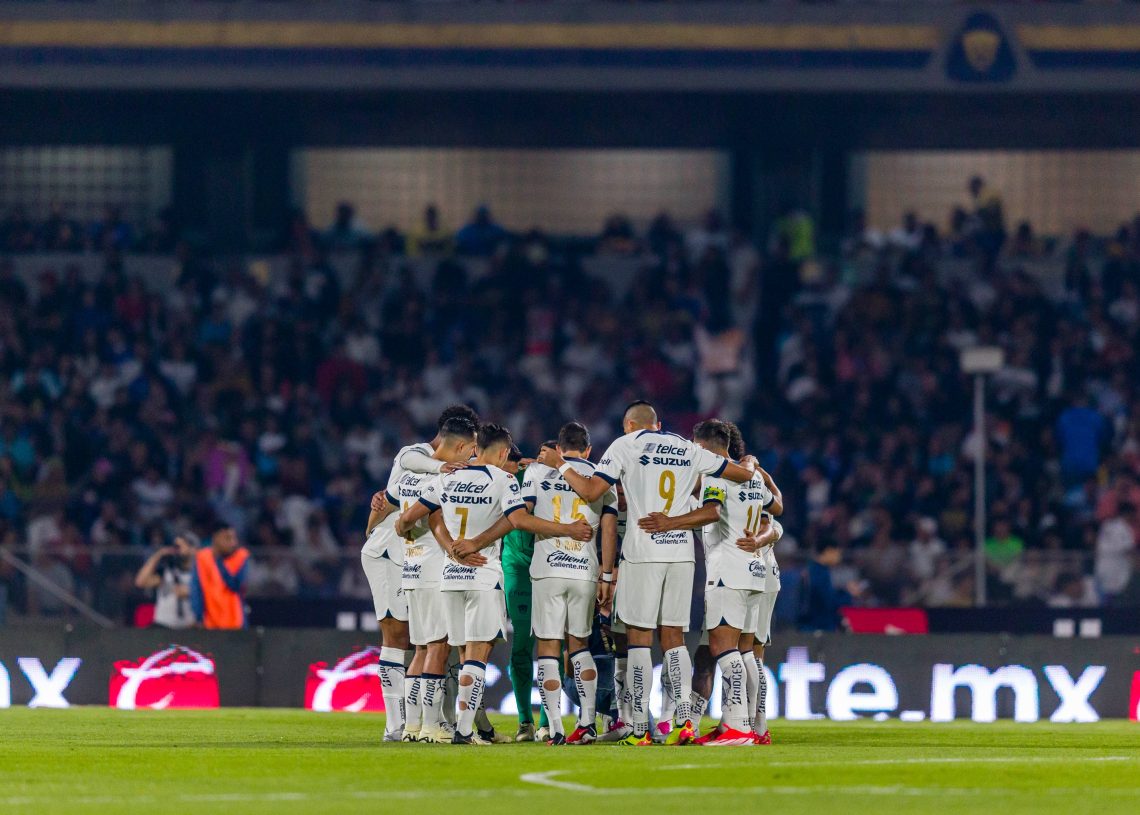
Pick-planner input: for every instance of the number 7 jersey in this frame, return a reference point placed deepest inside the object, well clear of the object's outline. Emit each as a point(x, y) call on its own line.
point(473, 500)
point(555, 500)
point(658, 471)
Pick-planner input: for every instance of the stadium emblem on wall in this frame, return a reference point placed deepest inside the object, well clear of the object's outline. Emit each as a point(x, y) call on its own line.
point(352, 685)
point(980, 51)
point(175, 677)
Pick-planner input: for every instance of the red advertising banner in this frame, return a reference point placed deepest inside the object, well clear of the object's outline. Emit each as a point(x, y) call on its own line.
point(175, 677)
point(351, 685)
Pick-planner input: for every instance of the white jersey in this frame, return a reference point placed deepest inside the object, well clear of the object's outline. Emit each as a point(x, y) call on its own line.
point(473, 500)
point(658, 471)
point(741, 510)
point(401, 494)
point(423, 556)
point(555, 500)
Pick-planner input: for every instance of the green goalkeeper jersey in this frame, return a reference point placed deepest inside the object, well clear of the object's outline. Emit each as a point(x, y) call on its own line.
point(518, 546)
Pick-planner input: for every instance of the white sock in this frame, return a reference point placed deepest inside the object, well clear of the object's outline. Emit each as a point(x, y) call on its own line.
point(668, 699)
point(751, 686)
point(638, 678)
point(392, 687)
point(698, 704)
point(761, 698)
point(431, 699)
point(451, 687)
point(413, 701)
point(582, 662)
point(621, 692)
point(680, 667)
point(551, 699)
point(732, 676)
point(470, 696)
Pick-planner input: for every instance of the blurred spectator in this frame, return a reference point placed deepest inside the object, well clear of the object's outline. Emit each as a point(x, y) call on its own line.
point(481, 236)
point(431, 238)
point(220, 570)
point(169, 573)
point(345, 232)
point(820, 598)
point(1115, 544)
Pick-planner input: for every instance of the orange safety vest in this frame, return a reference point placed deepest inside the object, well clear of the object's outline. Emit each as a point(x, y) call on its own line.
point(223, 607)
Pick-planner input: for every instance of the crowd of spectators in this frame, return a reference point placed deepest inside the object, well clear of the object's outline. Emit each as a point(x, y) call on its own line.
point(275, 403)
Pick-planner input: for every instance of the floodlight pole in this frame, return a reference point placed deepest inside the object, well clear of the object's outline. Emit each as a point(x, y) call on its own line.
point(980, 490)
point(979, 361)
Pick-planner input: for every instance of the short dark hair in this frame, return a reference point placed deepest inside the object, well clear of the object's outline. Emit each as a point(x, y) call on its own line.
point(735, 441)
point(574, 436)
point(458, 427)
point(638, 403)
point(492, 434)
point(551, 443)
point(515, 454)
point(713, 431)
point(458, 412)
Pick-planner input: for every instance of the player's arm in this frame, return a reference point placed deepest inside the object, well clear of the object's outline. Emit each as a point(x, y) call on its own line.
point(578, 530)
point(413, 515)
point(419, 462)
point(701, 516)
point(609, 556)
point(740, 472)
point(443, 537)
point(776, 507)
point(769, 532)
point(378, 511)
point(589, 489)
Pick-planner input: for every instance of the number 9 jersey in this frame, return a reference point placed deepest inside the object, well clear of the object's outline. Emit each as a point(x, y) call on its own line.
point(658, 471)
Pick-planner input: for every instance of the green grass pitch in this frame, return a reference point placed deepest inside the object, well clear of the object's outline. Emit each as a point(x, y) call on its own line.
point(246, 761)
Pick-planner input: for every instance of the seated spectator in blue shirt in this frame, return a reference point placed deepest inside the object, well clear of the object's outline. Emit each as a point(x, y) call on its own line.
point(480, 237)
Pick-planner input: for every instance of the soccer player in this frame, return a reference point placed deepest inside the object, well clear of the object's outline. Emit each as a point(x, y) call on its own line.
point(565, 575)
point(658, 471)
point(424, 695)
point(732, 515)
point(518, 550)
point(470, 510)
point(382, 558)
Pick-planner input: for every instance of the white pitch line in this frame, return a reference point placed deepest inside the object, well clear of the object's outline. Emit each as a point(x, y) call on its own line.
point(870, 762)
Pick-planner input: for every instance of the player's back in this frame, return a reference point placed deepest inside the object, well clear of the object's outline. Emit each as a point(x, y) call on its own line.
point(658, 471)
point(741, 510)
point(555, 500)
point(403, 490)
point(472, 500)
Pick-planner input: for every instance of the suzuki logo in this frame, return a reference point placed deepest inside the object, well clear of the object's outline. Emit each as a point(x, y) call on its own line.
point(48, 687)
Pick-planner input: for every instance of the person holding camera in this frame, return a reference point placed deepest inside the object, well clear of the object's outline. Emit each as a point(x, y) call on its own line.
point(169, 572)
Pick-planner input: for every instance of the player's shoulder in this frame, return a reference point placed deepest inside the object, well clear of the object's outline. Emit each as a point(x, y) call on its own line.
point(715, 489)
point(419, 447)
point(582, 465)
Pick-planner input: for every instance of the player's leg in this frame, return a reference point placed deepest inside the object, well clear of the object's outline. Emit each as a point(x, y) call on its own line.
point(639, 607)
point(724, 641)
point(751, 676)
point(392, 614)
point(763, 638)
point(413, 693)
point(676, 594)
point(519, 596)
point(704, 666)
point(579, 625)
point(472, 679)
point(433, 694)
point(548, 622)
point(485, 622)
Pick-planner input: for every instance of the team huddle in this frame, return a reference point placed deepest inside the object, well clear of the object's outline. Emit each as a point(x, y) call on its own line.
point(612, 566)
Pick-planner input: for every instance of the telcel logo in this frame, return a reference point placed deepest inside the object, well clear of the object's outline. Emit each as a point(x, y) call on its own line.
point(48, 687)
